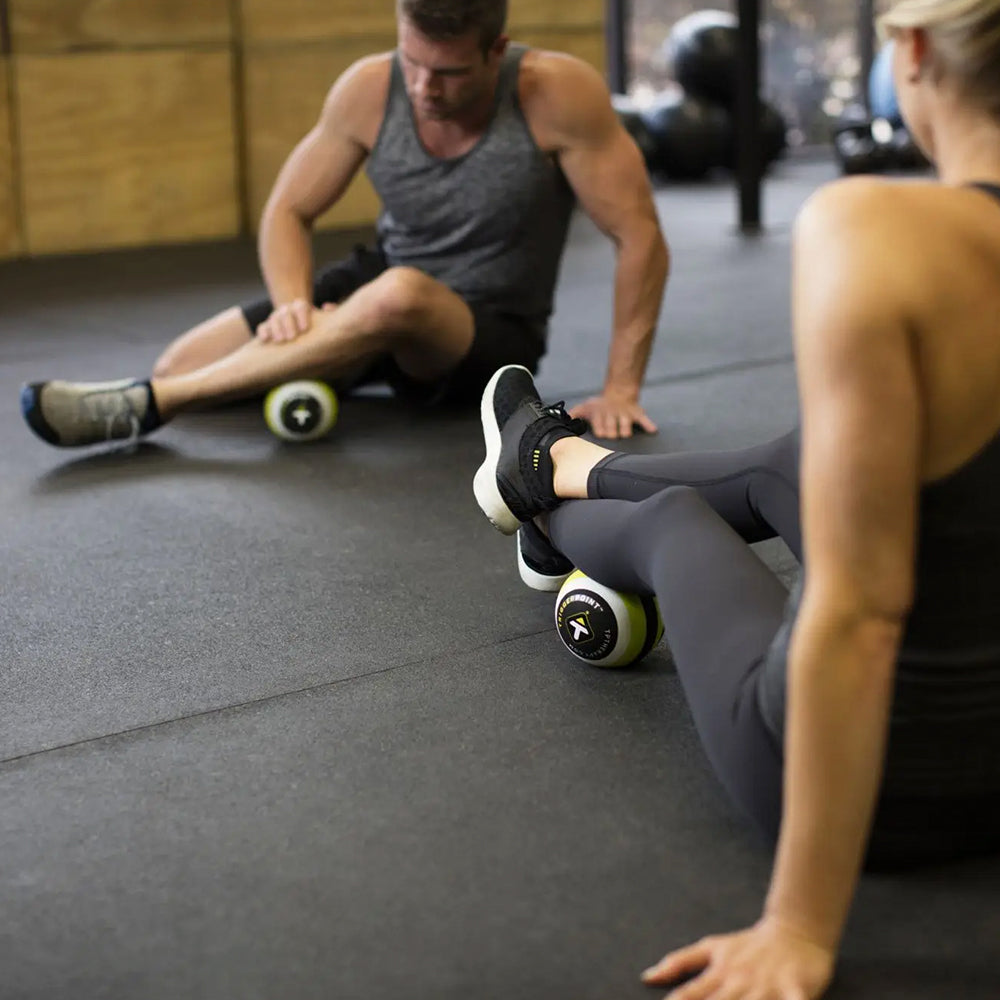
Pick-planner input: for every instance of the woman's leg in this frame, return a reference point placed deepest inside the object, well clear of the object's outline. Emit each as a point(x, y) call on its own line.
point(721, 608)
point(755, 490)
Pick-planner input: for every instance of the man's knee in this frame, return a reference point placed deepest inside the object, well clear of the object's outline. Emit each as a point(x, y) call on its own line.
point(403, 300)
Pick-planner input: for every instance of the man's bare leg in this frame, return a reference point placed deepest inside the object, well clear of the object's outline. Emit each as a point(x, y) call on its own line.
point(202, 344)
point(424, 325)
point(420, 322)
point(220, 336)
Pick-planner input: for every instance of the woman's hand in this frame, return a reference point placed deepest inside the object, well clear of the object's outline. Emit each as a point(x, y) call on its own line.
point(769, 961)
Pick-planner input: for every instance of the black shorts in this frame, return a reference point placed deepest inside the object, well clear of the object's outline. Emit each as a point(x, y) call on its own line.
point(499, 339)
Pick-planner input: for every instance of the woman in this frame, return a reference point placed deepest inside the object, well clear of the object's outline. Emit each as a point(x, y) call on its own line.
point(860, 724)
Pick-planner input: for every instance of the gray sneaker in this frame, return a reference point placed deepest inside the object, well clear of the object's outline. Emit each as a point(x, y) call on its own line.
point(69, 414)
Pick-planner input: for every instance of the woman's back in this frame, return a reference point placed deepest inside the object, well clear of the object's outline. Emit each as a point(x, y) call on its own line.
point(946, 710)
point(954, 257)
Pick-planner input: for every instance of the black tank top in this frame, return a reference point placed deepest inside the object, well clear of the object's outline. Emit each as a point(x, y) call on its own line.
point(946, 709)
point(945, 724)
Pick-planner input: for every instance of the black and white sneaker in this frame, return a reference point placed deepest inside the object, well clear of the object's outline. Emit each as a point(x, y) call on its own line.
point(541, 565)
point(514, 483)
point(69, 414)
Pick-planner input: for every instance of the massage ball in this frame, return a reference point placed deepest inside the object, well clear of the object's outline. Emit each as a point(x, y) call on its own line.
point(604, 626)
point(304, 410)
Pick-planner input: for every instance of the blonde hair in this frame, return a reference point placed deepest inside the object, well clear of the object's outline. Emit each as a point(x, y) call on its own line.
point(965, 37)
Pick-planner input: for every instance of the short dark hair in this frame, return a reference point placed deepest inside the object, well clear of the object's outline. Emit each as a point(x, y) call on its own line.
point(446, 19)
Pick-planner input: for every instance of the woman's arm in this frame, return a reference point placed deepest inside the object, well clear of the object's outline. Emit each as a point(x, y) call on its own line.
point(861, 446)
point(862, 436)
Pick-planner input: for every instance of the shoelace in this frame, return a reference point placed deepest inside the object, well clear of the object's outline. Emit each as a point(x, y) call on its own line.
point(111, 406)
point(558, 410)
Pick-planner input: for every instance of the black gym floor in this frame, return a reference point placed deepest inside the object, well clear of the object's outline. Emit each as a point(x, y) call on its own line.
point(281, 721)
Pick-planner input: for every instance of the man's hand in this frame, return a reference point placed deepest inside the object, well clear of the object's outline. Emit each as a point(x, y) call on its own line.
point(613, 416)
point(770, 961)
point(289, 321)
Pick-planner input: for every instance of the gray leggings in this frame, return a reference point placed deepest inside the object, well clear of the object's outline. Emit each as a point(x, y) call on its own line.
point(678, 526)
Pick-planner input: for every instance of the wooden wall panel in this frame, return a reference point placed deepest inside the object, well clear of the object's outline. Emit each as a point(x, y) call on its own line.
point(66, 25)
point(527, 14)
point(284, 91)
point(313, 20)
point(141, 145)
point(310, 20)
point(10, 237)
point(589, 46)
point(122, 149)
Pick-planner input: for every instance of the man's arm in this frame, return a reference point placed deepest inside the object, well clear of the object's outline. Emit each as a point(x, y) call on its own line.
point(572, 109)
point(315, 175)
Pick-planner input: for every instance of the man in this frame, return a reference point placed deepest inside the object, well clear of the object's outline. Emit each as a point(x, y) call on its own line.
point(477, 149)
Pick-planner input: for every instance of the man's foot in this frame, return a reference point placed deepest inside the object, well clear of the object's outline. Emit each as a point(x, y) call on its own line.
point(541, 565)
point(69, 414)
point(514, 483)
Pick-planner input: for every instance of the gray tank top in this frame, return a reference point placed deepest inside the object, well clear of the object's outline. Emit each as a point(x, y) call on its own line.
point(491, 224)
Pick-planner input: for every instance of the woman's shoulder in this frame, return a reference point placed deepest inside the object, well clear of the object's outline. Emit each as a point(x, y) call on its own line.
point(906, 236)
point(868, 207)
point(875, 202)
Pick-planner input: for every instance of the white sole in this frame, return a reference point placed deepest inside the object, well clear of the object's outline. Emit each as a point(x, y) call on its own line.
point(537, 581)
point(484, 484)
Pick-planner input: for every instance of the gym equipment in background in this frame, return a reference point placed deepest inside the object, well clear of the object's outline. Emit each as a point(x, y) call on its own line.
point(690, 136)
point(688, 131)
point(703, 48)
point(863, 145)
point(882, 101)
